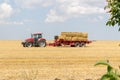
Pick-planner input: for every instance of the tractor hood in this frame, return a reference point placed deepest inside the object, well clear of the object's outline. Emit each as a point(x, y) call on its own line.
point(29, 40)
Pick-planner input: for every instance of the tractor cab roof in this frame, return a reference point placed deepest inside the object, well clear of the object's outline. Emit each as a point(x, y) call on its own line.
point(37, 33)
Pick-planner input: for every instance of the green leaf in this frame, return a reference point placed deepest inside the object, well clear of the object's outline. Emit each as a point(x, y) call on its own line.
point(105, 77)
point(113, 23)
point(109, 68)
point(103, 63)
point(114, 7)
point(108, 23)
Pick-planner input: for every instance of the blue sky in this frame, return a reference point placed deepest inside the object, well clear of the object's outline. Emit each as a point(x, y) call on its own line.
point(20, 18)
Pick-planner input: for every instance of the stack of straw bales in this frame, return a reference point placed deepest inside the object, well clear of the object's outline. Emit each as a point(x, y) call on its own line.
point(74, 36)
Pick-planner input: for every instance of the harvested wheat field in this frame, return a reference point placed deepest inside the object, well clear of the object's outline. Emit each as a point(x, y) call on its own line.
point(64, 63)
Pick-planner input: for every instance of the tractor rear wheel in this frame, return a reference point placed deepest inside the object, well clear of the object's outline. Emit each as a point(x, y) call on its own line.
point(42, 43)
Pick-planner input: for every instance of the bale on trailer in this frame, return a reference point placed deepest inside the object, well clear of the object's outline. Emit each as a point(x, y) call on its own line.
point(78, 34)
point(71, 34)
point(68, 38)
point(74, 39)
point(85, 35)
point(63, 33)
point(62, 37)
point(74, 36)
point(82, 39)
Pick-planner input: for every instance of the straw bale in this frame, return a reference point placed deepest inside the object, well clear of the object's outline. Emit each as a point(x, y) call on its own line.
point(68, 38)
point(68, 34)
point(79, 34)
point(79, 39)
point(64, 33)
point(71, 34)
point(82, 39)
point(85, 35)
point(61, 37)
point(74, 38)
point(85, 39)
point(75, 34)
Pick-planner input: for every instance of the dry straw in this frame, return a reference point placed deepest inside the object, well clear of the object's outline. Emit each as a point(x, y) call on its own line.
point(74, 36)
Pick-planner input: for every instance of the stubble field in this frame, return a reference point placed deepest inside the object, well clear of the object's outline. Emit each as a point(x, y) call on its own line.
point(65, 63)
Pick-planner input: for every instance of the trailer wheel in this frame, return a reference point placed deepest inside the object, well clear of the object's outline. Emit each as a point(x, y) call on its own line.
point(82, 44)
point(77, 44)
point(28, 44)
point(42, 43)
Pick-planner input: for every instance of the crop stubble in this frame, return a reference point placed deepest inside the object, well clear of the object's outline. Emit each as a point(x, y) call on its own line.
point(66, 63)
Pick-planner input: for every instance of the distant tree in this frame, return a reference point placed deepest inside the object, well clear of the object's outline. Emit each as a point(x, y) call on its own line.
point(113, 7)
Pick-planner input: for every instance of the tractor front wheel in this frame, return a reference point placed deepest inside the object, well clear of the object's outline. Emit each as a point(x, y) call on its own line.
point(42, 43)
point(28, 44)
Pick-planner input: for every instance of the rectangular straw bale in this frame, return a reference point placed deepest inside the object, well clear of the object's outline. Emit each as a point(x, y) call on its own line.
point(68, 34)
point(79, 34)
point(64, 33)
point(68, 38)
point(61, 37)
point(74, 38)
point(71, 34)
point(82, 39)
point(85, 35)
point(75, 34)
point(85, 39)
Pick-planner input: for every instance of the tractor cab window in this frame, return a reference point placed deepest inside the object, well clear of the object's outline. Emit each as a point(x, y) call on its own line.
point(36, 35)
point(32, 36)
point(39, 35)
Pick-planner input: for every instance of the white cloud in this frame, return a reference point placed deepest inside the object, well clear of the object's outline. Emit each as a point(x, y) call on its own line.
point(33, 3)
point(10, 22)
point(54, 17)
point(78, 10)
point(74, 8)
point(5, 10)
point(62, 10)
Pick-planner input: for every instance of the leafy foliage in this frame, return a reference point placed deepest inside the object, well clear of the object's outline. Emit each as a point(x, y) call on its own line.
point(112, 74)
point(113, 7)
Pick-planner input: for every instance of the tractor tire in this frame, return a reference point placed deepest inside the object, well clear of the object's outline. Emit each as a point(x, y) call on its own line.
point(42, 43)
point(23, 45)
point(28, 44)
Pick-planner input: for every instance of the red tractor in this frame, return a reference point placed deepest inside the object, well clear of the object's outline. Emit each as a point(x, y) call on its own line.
point(36, 40)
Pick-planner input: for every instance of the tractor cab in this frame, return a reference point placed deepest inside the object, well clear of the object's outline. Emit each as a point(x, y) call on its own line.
point(36, 36)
